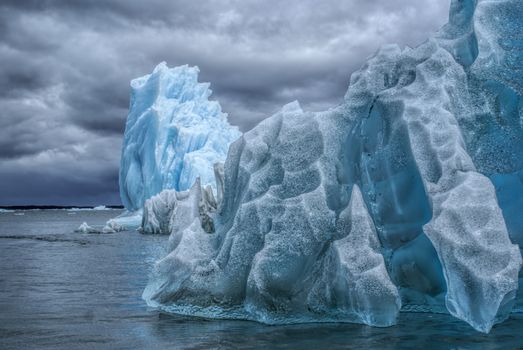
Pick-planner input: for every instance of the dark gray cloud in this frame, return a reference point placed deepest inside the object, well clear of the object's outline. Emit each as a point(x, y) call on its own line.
point(66, 67)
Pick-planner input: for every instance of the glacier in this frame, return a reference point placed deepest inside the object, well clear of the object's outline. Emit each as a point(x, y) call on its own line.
point(173, 135)
point(406, 196)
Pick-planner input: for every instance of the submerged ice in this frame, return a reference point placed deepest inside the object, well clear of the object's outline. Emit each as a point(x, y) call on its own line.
point(405, 196)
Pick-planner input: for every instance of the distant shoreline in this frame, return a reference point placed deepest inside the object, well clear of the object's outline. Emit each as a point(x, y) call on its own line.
point(32, 207)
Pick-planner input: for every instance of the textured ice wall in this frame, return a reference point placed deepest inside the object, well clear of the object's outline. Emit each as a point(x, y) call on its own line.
point(173, 135)
point(492, 39)
point(404, 191)
point(272, 258)
point(166, 211)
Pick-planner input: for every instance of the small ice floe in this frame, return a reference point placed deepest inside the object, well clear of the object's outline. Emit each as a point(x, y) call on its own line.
point(101, 207)
point(85, 228)
point(126, 221)
point(112, 226)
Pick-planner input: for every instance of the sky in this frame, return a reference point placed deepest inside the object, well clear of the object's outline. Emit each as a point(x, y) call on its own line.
point(65, 67)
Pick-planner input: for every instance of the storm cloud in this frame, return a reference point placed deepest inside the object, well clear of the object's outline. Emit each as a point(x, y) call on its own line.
point(66, 66)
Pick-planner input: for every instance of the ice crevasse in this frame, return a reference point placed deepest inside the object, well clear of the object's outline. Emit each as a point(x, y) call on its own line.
point(406, 196)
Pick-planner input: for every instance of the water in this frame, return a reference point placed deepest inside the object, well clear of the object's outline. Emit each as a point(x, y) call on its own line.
point(66, 290)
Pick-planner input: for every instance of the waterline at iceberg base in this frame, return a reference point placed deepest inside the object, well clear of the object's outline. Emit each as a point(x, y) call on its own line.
point(403, 197)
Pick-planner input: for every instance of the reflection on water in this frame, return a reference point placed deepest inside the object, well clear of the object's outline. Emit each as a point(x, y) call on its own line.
point(60, 289)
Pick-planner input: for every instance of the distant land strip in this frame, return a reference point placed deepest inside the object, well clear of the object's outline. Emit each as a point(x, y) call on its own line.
point(30, 207)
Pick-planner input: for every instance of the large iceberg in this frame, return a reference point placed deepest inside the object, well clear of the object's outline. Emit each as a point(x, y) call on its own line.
point(406, 196)
point(173, 135)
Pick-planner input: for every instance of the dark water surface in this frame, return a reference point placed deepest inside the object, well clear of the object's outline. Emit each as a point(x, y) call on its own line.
point(66, 290)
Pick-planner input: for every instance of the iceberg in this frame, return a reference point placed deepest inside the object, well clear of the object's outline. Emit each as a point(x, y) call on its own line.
point(173, 135)
point(406, 196)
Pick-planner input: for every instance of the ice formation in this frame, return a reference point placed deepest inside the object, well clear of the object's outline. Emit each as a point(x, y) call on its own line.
point(173, 135)
point(101, 207)
point(407, 195)
point(163, 213)
point(159, 210)
point(85, 228)
point(128, 220)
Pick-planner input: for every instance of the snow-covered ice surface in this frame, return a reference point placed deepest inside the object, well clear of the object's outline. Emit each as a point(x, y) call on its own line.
point(173, 135)
point(406, 195)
